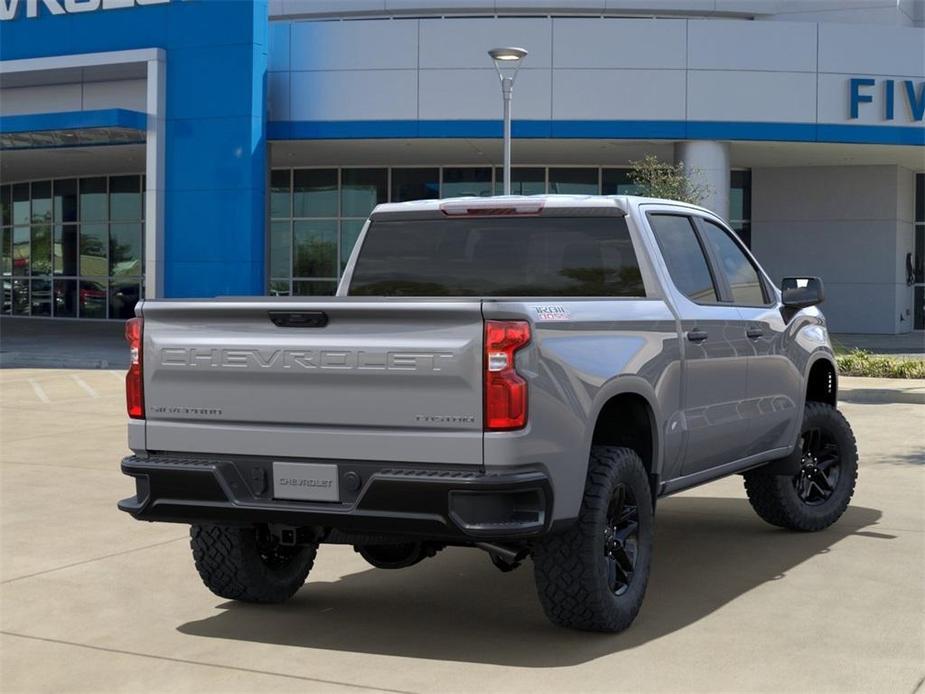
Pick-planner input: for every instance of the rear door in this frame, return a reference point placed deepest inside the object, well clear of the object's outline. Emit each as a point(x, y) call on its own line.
point(715, 349)
point(340, 378)
point(774, 382)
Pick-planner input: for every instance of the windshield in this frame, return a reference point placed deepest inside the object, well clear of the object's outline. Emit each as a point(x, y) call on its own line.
point(525, 256)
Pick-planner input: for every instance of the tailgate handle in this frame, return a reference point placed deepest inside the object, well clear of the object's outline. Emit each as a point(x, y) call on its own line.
point(299, 319)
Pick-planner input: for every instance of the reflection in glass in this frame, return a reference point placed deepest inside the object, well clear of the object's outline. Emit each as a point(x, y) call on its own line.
point(125, 250)
point(41, 298)
point(6, 209)
point(280, 193)
point(41, 202)
point(41, 249)
point(21, 250)
point(65, 200)
point(415, 184)
point(573, 181)
point(66, 298)
point(314, 193)
point(93, 241)
point(20, 297)
point(21, 214)
point(314, 288)
point(459, 181)
point(6, 237)
point(740, 195)
point(362, 190)
point(125, 198)
point(122, 299)
point(93, 206)
point(279, 288)
point(618, 182)
point(93, 298)
point(524, 181)
point(66, 249)
point(315, 248)
point(280, 249)
point(349, 231)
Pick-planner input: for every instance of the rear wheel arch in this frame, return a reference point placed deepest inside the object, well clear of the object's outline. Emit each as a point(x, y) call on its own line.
point(628, 419)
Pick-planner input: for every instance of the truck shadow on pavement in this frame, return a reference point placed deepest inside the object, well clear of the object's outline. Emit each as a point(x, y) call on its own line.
point(456, 607)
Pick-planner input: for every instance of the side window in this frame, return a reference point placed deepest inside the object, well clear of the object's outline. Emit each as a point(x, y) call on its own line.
point(742, 276)
point(684, 257)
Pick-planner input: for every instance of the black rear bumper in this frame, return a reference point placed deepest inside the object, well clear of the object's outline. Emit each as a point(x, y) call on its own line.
point(433, 502)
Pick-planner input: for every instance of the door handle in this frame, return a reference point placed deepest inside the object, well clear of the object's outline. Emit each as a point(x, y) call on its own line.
point(754, 333)
point(697, 335)
point(299, 319)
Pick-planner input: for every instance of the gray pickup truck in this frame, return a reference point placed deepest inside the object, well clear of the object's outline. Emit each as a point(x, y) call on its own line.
point(524, 375)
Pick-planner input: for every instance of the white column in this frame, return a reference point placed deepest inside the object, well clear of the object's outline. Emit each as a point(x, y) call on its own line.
point(155, 153)
point(711, 160)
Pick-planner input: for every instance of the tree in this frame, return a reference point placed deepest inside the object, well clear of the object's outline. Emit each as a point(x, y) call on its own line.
point(658, 179)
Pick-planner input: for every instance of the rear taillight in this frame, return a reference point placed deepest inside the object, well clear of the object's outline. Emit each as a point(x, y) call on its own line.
point(505, 390)
point(134, 382)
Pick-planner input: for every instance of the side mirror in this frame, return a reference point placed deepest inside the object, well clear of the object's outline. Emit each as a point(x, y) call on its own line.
point(800, 292)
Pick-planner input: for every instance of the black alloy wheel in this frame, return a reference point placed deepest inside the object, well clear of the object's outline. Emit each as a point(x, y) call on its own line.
point(621, 539)
point(820, 467)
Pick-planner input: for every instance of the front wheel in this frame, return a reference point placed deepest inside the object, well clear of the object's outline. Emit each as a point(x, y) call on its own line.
point(819, 493)
point(248, 564)
point(593, 576)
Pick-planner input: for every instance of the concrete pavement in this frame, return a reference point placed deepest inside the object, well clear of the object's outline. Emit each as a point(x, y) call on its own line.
point(91, 600)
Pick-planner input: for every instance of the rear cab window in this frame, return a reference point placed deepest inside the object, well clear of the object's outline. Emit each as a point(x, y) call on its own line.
point(496, 256)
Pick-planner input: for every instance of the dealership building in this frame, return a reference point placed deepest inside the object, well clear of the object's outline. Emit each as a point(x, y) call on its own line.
point(197, 148)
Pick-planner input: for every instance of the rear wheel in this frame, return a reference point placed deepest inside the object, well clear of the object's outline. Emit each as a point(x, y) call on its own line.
point(248, 564)
point(593, 576)
point(819, 493)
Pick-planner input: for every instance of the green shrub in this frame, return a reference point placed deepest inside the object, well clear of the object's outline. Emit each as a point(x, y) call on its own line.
point(859, 362)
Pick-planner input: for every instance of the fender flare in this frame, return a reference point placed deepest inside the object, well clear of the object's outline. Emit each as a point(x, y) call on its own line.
point(635, 385)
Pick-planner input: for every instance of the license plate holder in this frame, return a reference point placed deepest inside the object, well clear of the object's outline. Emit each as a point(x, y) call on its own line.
point(305, 482)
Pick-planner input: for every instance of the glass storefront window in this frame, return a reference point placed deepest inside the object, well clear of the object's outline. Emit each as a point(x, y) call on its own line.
point(65, 298)
point(21, 206)
point(6, 209)
point(65, 200)
point(280, 193)
point(40, 304)
point(574, 181)
point(415, 184)
point(315, 248)
point(41, 202)
point(125, 249)
point(314, 193)
point(618, 182)
point(464, 181)
point(93, 242)
point(361, 190)
point(93, 298)
point(7, 239)
point(65, 249)
point(122, 299)
point(93, 207)
point(524, 180)
point(20, 297)
point(41, 248)
point(280, 249)
point(125, 198)
point(21, 251)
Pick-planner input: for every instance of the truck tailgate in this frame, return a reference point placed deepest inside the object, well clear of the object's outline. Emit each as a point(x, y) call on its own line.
point(381, 380)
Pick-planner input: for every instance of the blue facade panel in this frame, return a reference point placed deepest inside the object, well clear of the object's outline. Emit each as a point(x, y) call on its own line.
point(215, 178)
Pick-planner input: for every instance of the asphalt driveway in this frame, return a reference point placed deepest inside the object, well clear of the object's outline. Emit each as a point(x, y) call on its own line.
point(91, 600)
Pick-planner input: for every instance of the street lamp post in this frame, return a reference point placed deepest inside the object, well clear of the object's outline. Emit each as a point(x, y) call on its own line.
point(507, 62)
